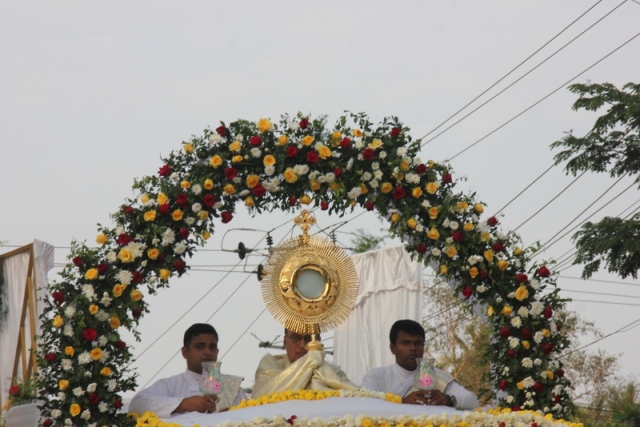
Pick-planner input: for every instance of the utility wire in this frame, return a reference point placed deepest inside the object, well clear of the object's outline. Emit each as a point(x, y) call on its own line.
point(525, 189)
point(543, 98)
point(242, 334)
point(599, 339)
point(606, 302)
point(511, 71)
point(596, 280)
point(599, 293)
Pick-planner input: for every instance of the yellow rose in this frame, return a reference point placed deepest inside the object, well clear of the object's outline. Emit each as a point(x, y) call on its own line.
point(237, 159)
point(485, 236)
point(75, 409)
point(215, 161)
point(404, 166)
point(398, 176)
point(473, 272)
point(502, 265)
point(269, 160)
point(235, 146)
point(315, 185)
point(416, 192)
point(517, 251)
point(526, 344)
point(478, 208)
point(444, 269)
point(91, 274)
point(203, 215)
point(290, 176)
point(450, 251)
point(249, 202)
point(433, 212)
point(521, 385)
point(149, 215)
point(114, 322)
point(334, 186)
point(411, 223)
point(93, 309)
point(307, 140)
point(386, 187)
point(462, 206)
point(546, 333)
point(305, 200)
point(153, 253)
point(432, 187)
point(336, 136)
point(490, 311)
point(488, 255)
point(162, 199)
point(507, 310)
point(177, 215)
point(252, 181)
point(188, 148)
point(264, 125)
point(229, 189)
point(363, 189)
point(185, 184)
point(106, 371)
point(206, 235)
point(58, 321)
point(164, 274)
point(357, 133)
point(468, 226)
point(125, 255)
point(144, 198)
point(395, 217)
point(102, 239)
point(549, 374)
point(69, 351)
point(376, 143)
point(208, 184)
point(96, 353)
point(117, 290)
point(522, 293)
point(323, 151)
point(433, 234)
point(283, 140)
point(136, 295)
point(63, 384)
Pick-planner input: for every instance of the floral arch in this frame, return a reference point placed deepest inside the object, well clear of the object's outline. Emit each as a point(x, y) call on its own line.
point(287, 165)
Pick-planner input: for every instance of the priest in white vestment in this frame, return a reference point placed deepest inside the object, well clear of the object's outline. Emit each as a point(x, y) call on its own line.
point(181, 393)
point(298, 369)
point(407, 343)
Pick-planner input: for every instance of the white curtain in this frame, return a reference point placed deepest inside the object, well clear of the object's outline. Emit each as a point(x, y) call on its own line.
point(390, 290)
point(15, 271)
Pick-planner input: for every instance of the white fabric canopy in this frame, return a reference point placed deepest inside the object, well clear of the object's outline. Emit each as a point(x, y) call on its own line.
point(390, 290)
point(15, 271)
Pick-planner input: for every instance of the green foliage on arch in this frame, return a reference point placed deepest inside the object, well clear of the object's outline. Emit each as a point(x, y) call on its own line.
point(287, 166)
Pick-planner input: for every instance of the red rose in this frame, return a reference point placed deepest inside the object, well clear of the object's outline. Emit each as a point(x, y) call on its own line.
point(345, 143)
point(557, 398)
point(547, 312)
point(183, 233)
point(312, 157)
point(484, 274)
point(230, 173)
point(525, 333)
point(259, 190)
point(447, 178)
point(182, 199)
point(137, 277)
point(457, 236)
point(226, 217)
point(368, 205)
point(304, 123)
point(292, 151)
point(255, 141)
point(399, 193)
point(503, 384)
point(93, 398)
point(511, 353)
point(47, 423)
point(534, 424)
point(179, 264)
point(368, 154)
point(505, 332)
point(515, 408)
point(546, 347)
point(337, 172)
point(164, 209)
point(467, 291)
point(560, 373)
point(58, 297)
point(421, 168)
point(492, 222)
point(292, 419)
point(521, 278)
point(498, 247)
point(292, 201)
point(121, 344)
point(324, 205)
point(136, 312)
point(77, 261)
point(124, 239)
point(14, 390)
point(222, 131)
point(395, 132)
point(209, 200)
point(90, 334)
point(50, 357)
point(128, 209)
point(102, 267)
point(117, 403)
point(538, 387)
point(502, 424)
point(421, 249)
point(164, 171)
point(544, 271)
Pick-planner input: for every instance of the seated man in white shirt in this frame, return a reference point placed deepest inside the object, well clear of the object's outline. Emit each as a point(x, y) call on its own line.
point(407, 343)
point(181, 393)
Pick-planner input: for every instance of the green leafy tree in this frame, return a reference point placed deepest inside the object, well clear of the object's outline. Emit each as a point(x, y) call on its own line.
point(365, 241)
point(613, 146)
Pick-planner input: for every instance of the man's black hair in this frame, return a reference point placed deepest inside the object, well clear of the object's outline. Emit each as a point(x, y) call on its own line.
point(407, 326)
point(197, 329)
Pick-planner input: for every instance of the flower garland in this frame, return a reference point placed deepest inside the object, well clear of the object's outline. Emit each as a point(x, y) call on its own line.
point(288, 165)
point(314, 395)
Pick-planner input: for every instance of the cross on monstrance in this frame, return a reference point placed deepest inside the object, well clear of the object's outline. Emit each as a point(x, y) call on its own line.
point(305, 221)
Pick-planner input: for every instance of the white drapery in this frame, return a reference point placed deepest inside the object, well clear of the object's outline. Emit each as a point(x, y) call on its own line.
point(15, 272)
point(390, 290)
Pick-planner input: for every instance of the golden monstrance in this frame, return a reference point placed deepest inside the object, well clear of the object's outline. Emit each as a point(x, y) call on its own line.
point(310, 285)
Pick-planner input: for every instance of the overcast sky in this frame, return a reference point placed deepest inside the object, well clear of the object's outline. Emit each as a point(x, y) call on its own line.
point(92, 94)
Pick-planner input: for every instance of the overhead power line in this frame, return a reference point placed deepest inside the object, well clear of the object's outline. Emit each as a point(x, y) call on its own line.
point(600, 339)
point(600, 281)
